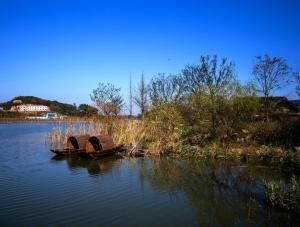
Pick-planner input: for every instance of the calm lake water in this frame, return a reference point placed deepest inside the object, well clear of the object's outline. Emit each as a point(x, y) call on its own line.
point(38, 188)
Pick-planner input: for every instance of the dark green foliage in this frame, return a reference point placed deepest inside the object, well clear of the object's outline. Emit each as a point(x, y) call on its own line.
point(195, 135)
point(244, 109)
point(4, 114)
point(238, 111)
point(87, 110)
point(277, 133)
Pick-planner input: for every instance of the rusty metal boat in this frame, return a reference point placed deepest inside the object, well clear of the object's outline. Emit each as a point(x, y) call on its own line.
point(100, 146)
point(75, 145)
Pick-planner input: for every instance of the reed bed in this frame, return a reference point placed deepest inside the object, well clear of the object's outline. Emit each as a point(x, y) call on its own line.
point(128, 131)
point(62, 131)
point(123, 131)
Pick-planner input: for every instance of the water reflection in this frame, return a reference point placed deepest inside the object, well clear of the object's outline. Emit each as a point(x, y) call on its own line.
point(93, 166)
point(226, 193)
point(222, 193)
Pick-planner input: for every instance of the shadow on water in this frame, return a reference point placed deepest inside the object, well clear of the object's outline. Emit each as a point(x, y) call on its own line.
point(226, 193)
point(221, 192)
point(93, 166)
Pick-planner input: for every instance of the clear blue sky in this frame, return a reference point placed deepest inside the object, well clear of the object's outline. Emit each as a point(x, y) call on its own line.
point(61, 49)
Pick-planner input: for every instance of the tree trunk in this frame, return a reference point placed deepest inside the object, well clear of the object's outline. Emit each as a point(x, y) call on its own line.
point(214, 119)
point(214, 126)
point(266, 108)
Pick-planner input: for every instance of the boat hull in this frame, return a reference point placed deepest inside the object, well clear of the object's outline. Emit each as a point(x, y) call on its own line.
point(67, 151)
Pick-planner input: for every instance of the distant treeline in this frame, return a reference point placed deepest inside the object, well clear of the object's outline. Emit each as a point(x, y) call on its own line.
point(62, 108)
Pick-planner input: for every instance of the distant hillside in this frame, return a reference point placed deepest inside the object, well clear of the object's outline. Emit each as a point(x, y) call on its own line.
point(63, 108)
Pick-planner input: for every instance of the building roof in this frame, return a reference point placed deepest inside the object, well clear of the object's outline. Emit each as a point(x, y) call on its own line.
point(281, 102)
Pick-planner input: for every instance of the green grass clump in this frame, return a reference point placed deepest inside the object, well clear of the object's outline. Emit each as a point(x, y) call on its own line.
point(281, 195)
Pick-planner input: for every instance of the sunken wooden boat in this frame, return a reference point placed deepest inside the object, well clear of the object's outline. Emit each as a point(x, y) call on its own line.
point(100, 146)
point(75, 145)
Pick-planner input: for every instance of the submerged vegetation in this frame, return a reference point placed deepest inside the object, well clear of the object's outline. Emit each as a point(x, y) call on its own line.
point(282, 195)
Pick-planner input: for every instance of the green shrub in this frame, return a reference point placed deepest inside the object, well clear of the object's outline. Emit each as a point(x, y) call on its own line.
point(163, 127)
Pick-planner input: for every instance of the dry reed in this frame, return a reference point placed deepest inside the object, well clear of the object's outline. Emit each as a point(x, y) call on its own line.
point(123, 131)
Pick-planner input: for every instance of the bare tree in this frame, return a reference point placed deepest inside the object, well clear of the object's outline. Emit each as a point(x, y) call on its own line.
point(107, 98)
point(211, 80)
point(130, 96)
point(166, 89)
point(297, 77)
point(270, 74)
point(192, 78)
point(109, 102)
point(141, 96)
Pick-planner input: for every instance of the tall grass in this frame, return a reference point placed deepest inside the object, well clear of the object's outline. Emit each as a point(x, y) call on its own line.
point(150, 135)
point(123, 131)
point(62, 131)
point(128, 131)
point(162, 132)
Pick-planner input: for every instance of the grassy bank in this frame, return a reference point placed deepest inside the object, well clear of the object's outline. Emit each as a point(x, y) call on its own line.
point(157, 140)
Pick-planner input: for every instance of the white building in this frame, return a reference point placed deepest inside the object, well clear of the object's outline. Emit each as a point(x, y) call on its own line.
point(47, 116)
point(30, 108)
